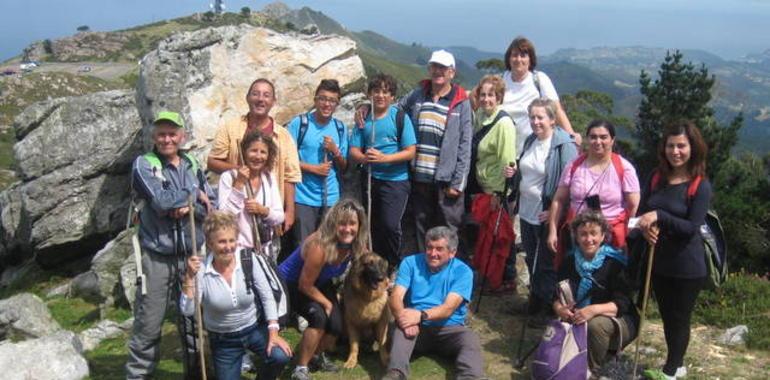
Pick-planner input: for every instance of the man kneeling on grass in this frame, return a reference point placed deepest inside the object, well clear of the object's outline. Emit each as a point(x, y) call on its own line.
point(429, 302)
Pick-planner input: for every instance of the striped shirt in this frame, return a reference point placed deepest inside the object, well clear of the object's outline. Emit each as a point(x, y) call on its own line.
point(431, 123)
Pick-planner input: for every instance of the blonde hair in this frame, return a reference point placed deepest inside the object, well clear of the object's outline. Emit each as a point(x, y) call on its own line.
point(326, 237)
point(219, 220)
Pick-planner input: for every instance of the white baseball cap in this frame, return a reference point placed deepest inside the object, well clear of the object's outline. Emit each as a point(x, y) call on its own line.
point(443, 58)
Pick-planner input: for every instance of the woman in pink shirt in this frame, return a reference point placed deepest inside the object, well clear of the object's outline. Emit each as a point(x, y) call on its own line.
point(259, 154)
point(600, 180)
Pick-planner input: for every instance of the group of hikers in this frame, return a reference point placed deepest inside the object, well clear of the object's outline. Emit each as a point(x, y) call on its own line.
point(506, 147)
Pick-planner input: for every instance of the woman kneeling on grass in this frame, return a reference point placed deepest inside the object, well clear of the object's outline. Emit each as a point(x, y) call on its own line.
point(233, 320)
point(597, 277)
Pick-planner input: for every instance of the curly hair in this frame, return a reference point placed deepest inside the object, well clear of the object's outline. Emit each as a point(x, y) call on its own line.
point(259, 136)
point(590, 217)
point(498, 86)
point(219, 220)
point(343, 211)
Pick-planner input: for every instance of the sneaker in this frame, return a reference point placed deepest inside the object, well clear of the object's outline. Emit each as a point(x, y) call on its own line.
point(301, 323)
point(247, 365)
point(394, 374)
point(681, 372)
point(300, 373)
point(322, 363)
point(657, 374)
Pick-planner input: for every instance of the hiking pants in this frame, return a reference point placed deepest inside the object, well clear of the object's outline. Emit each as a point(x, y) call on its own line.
point(228, 349)
point(433, 208)
point(389, 200)
point(603, 335)
point(458, 342)
point(162, 273)
point(306, 220)
point(542, 283)
point(676, 301)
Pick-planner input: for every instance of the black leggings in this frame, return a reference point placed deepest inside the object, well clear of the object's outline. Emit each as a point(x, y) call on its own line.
point(314, 313)
point(676, 301)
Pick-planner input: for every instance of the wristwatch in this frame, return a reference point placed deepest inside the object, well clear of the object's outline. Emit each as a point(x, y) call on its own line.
point(423, 316)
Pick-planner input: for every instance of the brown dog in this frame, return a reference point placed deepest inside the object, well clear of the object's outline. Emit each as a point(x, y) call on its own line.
point(366, 304)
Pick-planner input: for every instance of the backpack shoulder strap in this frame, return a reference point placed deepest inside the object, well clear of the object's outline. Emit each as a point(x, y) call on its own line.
point(193, 162)
point(536, 81)
point(575, 164)
point(340, 128)
point(153, 159)
point(618, 164)
point(400, 115)
point(247, 265)
point(303, 124)
point(693, 188)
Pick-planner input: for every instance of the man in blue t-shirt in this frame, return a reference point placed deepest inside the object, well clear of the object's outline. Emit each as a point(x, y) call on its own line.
point(386, 142)
point(322, 144)
point(429, 302)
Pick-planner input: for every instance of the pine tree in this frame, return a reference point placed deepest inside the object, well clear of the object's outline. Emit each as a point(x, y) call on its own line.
point(681, 92)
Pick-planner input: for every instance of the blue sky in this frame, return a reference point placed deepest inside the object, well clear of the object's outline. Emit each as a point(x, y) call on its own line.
point(729, 28)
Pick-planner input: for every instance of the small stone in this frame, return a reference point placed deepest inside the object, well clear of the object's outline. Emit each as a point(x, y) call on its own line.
point(734, 336)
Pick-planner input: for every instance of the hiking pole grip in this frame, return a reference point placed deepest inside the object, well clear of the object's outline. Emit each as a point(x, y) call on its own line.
point(198, 311)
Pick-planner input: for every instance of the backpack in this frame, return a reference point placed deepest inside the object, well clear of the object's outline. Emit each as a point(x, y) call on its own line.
point(400, 115)
point(713, 236)
point(303, 125)
point(536, 81)
point(562, 353)
point(276, 285)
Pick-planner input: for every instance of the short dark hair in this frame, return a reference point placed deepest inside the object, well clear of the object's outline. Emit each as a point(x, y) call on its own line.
point(590, 217)
point(272, 149)
point(696, 166)
point(601, 123)
point(330, 85)
point(382, 82)
point(262, 80)
point(523, 45)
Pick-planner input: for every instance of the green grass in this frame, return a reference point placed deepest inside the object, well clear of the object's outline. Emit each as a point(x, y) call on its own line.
point(108, 359)
point(73, 314)
point(742, 299)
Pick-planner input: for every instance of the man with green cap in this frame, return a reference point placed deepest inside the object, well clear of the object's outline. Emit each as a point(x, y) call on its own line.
point(163, 180)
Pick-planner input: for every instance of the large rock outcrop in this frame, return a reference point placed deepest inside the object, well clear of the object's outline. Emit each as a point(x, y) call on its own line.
point(205, 74)
point(25, 316)
point(56, 356)
point(72, 158)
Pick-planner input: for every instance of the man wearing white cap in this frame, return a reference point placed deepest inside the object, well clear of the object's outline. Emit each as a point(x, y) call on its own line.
point(441, 113)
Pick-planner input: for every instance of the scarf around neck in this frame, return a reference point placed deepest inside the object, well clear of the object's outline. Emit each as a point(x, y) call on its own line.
point(587, 268)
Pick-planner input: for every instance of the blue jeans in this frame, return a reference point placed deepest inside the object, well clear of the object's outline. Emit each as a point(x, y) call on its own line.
point(228, 349)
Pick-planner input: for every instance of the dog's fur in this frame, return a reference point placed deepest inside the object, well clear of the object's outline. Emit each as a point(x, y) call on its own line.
point(366, 305)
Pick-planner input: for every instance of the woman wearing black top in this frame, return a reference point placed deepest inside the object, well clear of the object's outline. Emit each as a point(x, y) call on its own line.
point(671, 219)
point(602, 295)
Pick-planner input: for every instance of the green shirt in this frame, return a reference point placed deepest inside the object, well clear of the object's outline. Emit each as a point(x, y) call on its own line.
point(495, 150)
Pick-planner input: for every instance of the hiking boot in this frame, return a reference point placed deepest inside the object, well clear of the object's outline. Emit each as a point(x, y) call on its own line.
point(657, 374)
point(322, 363)
point(300, 373)
point(394, 374)
point(681, 372)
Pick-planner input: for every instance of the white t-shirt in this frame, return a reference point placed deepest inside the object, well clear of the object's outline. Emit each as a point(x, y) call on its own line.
point(532, 166)
point(518, 96)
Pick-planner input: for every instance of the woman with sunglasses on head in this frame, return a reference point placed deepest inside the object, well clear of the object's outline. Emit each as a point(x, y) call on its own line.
point(673, 209)
point(308, 272)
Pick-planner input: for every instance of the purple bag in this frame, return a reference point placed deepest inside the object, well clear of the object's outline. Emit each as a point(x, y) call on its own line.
point(562, 353)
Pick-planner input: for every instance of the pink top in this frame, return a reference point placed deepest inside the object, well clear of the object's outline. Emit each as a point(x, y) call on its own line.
point(232, 200)
point(606, 184)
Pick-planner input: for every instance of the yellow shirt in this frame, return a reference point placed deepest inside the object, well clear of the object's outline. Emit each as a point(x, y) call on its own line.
point(286, 164)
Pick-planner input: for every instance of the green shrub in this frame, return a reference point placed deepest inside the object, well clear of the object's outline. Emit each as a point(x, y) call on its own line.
point(742, 300)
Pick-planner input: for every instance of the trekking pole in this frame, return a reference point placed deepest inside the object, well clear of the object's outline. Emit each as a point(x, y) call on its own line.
point(521, 359)
point(645, 297)
point(250, 195)
point(325, 194)
point(198, 311)
point(369, 177)
point(492, 247)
